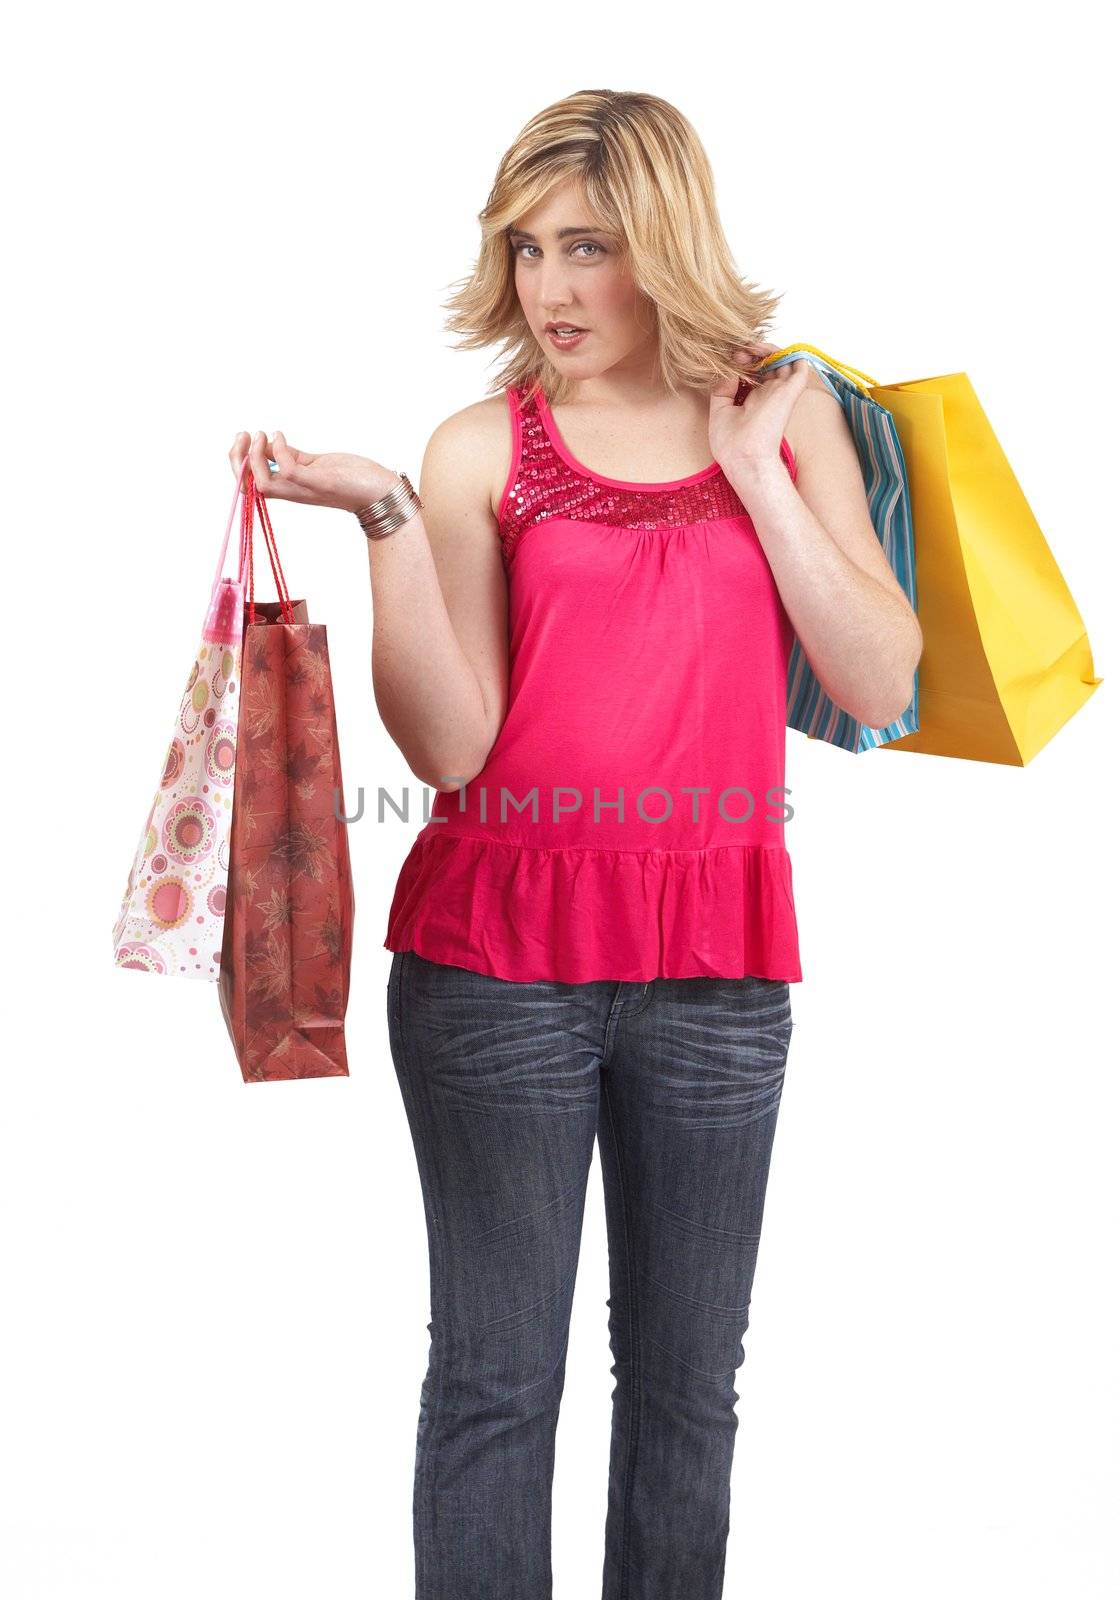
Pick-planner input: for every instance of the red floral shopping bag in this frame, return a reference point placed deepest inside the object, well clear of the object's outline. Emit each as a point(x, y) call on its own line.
point(285, 961)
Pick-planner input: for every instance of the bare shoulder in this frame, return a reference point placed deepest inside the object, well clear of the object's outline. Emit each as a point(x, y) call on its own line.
point(816, 383)
point(472, 447)
point(816, 407)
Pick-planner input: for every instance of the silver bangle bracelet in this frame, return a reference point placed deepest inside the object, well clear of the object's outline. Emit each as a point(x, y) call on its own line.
point(395, 508)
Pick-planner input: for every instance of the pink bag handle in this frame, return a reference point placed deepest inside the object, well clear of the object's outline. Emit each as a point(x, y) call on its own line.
point(223, 623)
point(225, 542)
point(252, 499)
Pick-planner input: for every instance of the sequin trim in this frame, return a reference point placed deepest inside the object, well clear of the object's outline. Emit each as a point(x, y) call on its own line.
point(543, 485)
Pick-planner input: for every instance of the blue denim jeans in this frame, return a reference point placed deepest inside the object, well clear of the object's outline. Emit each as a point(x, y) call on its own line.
point(506, 1087)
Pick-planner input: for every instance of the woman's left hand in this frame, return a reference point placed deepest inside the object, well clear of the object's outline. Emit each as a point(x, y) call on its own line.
point(751, 434)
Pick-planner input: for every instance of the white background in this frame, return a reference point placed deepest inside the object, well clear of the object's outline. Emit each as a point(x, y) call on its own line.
point(215, 1296)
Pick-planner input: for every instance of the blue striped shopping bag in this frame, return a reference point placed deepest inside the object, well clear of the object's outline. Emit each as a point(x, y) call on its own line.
point(808, 708)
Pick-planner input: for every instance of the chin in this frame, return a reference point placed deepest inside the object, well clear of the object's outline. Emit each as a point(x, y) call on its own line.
point(579, 365)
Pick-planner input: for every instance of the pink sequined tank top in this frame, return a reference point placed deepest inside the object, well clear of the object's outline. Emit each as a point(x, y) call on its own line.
point(629, 821)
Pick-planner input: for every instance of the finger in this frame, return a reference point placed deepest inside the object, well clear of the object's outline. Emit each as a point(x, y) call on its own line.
point(301, 458)
point(725, 389)
point(237, 452)
point(765, 351)
point(751, 357)
point(759, 349)
point(787, 372)
point(258, 463)
point(288, 481)
point(289, 461)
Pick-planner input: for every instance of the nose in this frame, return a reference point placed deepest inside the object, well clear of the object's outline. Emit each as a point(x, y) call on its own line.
point(555, 295)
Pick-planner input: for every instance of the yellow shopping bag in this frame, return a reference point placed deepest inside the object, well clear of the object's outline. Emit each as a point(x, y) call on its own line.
point(1006, 659)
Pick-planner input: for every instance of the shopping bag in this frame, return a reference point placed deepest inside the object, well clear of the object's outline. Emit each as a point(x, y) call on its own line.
point(173, 909)
point(1006, 659)
point(808, 708)
point(284, 979)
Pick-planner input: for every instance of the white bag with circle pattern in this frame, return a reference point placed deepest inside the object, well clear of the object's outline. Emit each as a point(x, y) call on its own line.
point(173, 912)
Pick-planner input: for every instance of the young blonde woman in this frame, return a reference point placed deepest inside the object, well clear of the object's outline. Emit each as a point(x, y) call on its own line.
point(583, 626)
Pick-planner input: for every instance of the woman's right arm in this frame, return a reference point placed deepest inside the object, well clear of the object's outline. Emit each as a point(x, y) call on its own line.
point(440, 597)
point(440, 611)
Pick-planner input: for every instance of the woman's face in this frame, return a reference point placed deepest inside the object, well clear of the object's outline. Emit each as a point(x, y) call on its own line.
point(568, 270)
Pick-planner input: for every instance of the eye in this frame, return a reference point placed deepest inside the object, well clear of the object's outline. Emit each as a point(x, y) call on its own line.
point(584, 244)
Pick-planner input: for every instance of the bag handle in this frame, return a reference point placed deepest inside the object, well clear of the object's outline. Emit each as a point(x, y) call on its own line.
point(861, 380)
point(225, 542)
point(254, 500)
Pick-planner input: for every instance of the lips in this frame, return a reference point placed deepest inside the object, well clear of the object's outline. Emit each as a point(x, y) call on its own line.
point(567, 341)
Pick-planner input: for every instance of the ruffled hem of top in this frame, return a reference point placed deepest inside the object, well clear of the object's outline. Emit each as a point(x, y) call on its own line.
point(577, 915)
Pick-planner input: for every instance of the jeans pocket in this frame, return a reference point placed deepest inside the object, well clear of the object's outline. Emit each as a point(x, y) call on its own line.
point(766, 1001)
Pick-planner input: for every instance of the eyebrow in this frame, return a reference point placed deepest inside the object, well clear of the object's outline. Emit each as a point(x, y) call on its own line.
point(561, 233)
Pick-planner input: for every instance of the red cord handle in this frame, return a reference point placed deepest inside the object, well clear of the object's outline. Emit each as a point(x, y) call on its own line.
point(253, 501)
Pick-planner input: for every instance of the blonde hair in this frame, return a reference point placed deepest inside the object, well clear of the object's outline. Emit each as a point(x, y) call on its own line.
point(647, 178)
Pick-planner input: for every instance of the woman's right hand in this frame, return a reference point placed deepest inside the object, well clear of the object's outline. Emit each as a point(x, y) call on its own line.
point(343, 482)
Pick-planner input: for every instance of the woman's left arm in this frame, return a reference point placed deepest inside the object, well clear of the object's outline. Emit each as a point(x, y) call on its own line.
point(855, 624)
